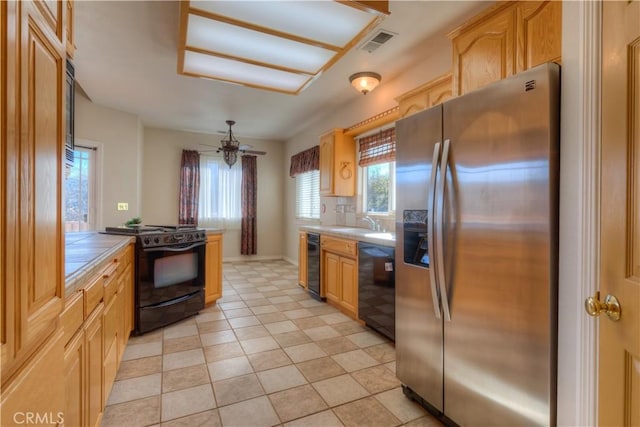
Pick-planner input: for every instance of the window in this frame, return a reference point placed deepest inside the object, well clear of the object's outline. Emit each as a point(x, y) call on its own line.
point(379, 188)
point(79, 191)
point(377, 159)
point(219, 199)
point(308, 195)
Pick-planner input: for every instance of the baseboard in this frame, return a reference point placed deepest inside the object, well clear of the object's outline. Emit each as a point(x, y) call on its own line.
point(290, 261)
point(249, 258)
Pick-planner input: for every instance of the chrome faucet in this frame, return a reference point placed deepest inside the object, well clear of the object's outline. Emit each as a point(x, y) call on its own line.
point(372, 223)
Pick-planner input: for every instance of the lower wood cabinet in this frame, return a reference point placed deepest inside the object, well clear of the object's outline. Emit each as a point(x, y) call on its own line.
point(93, 406)
point(92, 355)
point(25, 397)
point(340, 273)
point(213, 265)
point(302, 259)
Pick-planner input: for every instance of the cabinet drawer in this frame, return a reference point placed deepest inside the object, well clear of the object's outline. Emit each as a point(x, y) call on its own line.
point(110, 276)
point(72, 316)
point(93, 294)
point(341, 246)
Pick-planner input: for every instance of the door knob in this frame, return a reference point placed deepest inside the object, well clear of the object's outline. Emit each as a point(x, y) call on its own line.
point(610, 306)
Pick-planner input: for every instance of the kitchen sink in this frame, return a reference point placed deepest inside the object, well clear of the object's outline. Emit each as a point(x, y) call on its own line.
point(381, 235)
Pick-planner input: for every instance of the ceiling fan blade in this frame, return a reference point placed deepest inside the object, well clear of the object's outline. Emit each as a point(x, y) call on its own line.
point(253, 152)
point(207, 145)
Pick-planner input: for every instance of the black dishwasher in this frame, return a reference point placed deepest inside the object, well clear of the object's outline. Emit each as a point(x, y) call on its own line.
point(313, 265)
point(377, 287)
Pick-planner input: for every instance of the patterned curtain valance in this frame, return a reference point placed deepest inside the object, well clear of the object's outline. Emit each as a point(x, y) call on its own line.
point(305, 161)
point(378, 148)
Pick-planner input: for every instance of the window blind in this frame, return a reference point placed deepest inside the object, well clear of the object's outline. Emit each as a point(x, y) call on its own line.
point(378, 148)
point(308, 195)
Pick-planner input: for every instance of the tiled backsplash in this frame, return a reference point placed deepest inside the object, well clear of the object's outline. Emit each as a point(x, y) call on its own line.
point(342, 211)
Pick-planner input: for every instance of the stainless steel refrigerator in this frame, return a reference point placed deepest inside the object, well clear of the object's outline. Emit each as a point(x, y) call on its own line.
point(476, 253)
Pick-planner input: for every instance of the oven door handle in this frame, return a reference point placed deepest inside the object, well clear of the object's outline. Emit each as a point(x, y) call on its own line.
point(171, 302)
point(175, 248)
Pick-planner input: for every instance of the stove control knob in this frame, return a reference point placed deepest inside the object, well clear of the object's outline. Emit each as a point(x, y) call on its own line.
point(156, 240)
point(146, 240)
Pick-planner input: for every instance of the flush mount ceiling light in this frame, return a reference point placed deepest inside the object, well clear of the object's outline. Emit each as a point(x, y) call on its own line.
point(276, 45)
point(365, 82)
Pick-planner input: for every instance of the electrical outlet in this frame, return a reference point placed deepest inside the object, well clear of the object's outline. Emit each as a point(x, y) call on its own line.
point(123, 206)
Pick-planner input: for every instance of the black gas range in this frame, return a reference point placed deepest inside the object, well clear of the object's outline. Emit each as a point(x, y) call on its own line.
point(150, 236)
point(170, 273)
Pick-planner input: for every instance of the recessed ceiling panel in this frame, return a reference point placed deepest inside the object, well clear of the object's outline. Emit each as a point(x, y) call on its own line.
point(240, 72)
point(243, 43)
point(325, 21)
point(257, 43)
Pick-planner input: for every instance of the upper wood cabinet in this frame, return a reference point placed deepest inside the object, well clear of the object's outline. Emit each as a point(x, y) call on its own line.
point(484, 50)
point(213, 268)
point(71, 47)
point(426, 96)
point(337, 164)
point(507, 38)
point(539, 33)
point(33, 74)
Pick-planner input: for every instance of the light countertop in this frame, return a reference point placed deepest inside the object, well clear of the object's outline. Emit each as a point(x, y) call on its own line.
point(354, 233)
point(87, 251)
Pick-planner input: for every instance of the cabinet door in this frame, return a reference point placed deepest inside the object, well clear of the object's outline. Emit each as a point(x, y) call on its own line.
point(539, 35)
point(110, 345)
point(74, 380)
point(93, 341)
point(302, 259)
point(484, 52)
point(213, 265)
point(69, 30)
point(33, 95)
point(38, 389)
point(326, 164)
point(127, 305)
point(331, 276)
point(349, 276)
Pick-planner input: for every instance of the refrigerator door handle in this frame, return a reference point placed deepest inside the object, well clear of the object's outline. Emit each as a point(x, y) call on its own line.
point(431, 202)
point(440, 232)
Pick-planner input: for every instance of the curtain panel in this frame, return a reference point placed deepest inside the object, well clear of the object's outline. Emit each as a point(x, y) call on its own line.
point(378, 148)
point(305, 161)
point(189, 187)
point(249, 237)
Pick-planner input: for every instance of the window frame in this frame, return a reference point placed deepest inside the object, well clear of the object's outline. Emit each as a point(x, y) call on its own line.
point(94, 196)
point(363, 178)
point(314, 184)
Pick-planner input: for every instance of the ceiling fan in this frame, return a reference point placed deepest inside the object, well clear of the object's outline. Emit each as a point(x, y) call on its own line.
point(231, 146)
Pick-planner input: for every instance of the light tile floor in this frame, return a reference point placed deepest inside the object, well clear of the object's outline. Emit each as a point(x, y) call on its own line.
point(266, 354)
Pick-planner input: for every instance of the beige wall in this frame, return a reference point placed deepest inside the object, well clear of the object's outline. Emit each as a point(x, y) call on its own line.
point(432, 60)
point(119, 137)
point(161, 179)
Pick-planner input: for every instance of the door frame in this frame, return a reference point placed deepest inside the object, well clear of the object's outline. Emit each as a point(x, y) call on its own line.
point(579, 252)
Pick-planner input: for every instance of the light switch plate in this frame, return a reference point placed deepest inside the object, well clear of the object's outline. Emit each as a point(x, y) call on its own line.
point(123, 206)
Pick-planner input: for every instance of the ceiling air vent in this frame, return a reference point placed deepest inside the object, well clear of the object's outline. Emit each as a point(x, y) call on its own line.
point(378, 39)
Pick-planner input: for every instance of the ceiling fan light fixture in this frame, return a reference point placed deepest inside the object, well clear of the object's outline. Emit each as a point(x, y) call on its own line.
point(230, 157)
point(365, 81)
point(230, 145)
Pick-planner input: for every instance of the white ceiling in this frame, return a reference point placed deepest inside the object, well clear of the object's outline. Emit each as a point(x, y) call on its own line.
point(126, 59)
